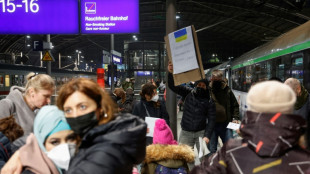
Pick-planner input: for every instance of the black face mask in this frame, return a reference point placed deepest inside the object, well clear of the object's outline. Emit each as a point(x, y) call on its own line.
point(201, 92)
point(216, 85)
point(82, 124)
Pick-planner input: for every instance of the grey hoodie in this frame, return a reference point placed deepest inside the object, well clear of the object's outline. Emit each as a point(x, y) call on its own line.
point(14, 104)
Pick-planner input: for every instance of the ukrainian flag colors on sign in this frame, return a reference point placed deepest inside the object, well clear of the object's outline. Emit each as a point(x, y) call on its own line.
point(180, 35)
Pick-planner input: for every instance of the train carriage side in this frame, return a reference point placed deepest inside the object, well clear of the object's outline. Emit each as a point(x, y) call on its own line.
point(15, 75)
point(286, 56)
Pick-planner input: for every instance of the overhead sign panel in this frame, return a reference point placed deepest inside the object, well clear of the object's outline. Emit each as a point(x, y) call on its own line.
point(39, 17)
point(106, 16)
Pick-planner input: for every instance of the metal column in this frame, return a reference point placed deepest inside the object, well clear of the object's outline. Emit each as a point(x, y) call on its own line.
point(171, 25)
point(49, 63)
point(112, 64)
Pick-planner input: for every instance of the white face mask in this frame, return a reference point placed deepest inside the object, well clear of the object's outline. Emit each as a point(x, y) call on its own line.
point(62, 154)
point(155, 98)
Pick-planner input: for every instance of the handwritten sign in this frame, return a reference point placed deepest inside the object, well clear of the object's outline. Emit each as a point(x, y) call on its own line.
point(183, 50)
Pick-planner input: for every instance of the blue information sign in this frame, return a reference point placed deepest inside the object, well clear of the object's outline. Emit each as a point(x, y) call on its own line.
point(39, 17)
point(107, 16)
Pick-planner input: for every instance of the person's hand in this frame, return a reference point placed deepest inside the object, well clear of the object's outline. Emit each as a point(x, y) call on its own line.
point(148, 130)
point(206, 140)
point(170, 67)
point(13, 166)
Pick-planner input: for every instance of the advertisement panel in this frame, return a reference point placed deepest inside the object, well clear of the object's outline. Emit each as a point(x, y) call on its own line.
point(106, 16)
point(39, 17)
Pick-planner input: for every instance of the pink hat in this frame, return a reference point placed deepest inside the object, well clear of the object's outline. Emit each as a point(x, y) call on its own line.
point(163, 133)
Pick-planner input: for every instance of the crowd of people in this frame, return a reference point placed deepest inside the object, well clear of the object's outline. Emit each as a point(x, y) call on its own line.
point(91, 130)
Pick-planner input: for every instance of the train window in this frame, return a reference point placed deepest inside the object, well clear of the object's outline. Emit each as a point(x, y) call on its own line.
point(7, 80)
point(1, 81)
point(239, 79)
point(15, 80)
point(21, 80)
point(297, 68)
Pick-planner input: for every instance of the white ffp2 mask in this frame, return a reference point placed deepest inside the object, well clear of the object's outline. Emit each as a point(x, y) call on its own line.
point(61, 155)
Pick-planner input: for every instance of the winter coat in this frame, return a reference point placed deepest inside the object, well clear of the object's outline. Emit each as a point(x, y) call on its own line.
point(128, 104)
point(34, 160)
point(270, 145)
point(14, 104)
point(5, 150)
point(304, 111)
point(113, 147)
point(225, 97)
point(198, 113)
point(153, 111)
point(170, 156)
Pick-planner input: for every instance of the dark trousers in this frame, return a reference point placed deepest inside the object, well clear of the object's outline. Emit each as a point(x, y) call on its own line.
point(221, 131)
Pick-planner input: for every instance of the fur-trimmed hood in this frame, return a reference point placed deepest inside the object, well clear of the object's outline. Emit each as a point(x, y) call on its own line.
point(158, 152)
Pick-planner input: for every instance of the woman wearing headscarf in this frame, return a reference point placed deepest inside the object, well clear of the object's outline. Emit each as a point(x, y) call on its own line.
point(110, 142)
point(49, 149)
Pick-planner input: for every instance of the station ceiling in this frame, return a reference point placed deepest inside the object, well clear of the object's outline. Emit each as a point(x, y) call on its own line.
point(227, 28)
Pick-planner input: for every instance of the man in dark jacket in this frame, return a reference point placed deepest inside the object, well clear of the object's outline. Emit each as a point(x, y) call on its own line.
point(271, 133)
point(198, 118)
point(227, 109)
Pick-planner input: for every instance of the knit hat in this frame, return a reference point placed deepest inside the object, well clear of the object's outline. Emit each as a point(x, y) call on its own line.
point(49, 120)
point(202, 80)
point(162, 133)
point(271, 97)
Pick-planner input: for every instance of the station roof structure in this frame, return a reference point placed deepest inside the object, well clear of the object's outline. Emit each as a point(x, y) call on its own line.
point(227, 28)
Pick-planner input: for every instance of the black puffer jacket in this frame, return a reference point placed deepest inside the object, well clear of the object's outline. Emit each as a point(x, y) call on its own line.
point(113, 147)
point(5, 150)
point(199, 112)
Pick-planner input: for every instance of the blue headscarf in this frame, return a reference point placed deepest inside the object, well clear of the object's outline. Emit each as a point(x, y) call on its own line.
point(48, 121)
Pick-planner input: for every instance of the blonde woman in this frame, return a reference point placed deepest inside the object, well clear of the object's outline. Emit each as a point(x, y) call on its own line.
point(22, 102)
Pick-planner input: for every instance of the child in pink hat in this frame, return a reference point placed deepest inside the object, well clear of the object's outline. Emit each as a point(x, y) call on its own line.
point(165, 155)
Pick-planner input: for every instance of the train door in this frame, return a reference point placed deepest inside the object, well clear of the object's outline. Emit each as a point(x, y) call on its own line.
point(6, 84)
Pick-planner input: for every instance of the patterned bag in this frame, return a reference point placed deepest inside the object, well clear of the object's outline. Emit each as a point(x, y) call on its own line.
point(160, 169)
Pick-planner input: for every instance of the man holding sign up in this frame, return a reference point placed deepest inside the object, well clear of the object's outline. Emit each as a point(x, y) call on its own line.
point(198, 118)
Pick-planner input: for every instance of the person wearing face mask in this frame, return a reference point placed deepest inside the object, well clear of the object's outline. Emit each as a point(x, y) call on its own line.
point(49, 149)
point(198, 118)
point(120, 97)
point(22, 103)
point(227, 109)
point(110, 142)
point(150, 105)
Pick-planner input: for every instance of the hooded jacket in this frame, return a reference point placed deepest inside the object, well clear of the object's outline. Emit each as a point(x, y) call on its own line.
point(199, 111)
point(5, 150)
point(113, 147)
point(170, 156)
point(270, 145)
point(14, 104)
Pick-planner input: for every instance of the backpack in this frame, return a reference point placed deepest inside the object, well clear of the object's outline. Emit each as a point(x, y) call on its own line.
point(160, 169)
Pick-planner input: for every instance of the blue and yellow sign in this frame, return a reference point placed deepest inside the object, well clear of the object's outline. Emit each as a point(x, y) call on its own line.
point(180, 35)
